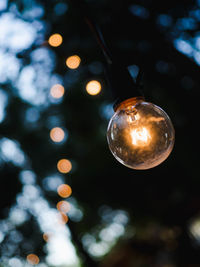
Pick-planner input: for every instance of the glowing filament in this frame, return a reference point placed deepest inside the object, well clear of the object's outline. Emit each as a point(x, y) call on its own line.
point(133, 118)
point(140, 136)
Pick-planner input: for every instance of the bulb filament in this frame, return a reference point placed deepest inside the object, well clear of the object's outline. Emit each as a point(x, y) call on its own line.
point(140, 136)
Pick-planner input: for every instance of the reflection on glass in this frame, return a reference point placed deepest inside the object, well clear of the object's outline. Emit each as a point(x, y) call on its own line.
point(33, 259)
point(64, 190)
point(64, 166)
point(55, 40)
point(57, 134)
point(73, 62)
point(57, 91)
point(93, 87)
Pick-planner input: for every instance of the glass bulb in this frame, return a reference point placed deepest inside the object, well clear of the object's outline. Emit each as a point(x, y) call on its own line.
point(140, 134)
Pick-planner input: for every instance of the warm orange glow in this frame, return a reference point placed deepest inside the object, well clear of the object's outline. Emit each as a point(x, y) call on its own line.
point(64, 190)
point(33, 259)
point(93, 87)
point(55, 40)
point(140, 136)
point(63, 206)
point(57, 134)
point(57, 91)
point(46, 237)
point(64, 166)
point(73, 62)
point(63, 218)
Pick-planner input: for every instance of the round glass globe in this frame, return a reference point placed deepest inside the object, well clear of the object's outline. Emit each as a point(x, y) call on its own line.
point(140, 134)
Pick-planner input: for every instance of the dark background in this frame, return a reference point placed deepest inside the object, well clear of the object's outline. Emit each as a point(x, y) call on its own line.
point(163, 203)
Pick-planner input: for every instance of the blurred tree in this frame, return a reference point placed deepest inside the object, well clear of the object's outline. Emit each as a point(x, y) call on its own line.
point(135, 218)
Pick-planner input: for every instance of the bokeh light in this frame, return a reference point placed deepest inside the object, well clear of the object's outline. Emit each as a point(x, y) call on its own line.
point(64, 166)
point(64, 190)
point(63, 218)
point(33, 259)
point(57, 91)
point(46, 237)
point(93, 87)
point(195, 228)
point(63, 206)
point(73, 62)
point(55, 40)
point(57, 134)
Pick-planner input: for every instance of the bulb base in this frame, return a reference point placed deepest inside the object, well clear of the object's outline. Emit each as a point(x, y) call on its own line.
point(121, 84)
point(123, 104)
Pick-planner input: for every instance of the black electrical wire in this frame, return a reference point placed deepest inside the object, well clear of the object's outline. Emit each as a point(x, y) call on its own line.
point(121, 84)
point(87, 14)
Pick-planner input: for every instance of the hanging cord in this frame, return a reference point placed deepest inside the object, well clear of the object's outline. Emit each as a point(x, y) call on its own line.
point(99, 37)
point(85, 11)
point(121, 84)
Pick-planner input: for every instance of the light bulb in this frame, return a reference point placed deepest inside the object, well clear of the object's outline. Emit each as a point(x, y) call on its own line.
point(140, 134)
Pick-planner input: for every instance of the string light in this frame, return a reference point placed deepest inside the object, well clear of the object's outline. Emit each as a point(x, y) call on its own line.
point(64, 190)
point(33, 259)
point(140, 134)
point(46, 237)
point(73, 62)
point(55, 40)
point(64, 166)
point(57, 134)
point(63, 218)
point(93, 87)
point(57, 91)
point(63, 206)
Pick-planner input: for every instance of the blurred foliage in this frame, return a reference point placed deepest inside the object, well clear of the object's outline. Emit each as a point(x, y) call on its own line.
point(152, 209)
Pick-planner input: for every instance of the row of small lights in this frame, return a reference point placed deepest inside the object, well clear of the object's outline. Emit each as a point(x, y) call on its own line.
point(57, 135)
point(93, 87)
